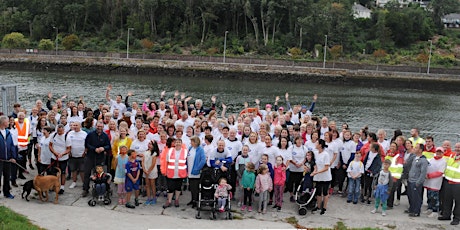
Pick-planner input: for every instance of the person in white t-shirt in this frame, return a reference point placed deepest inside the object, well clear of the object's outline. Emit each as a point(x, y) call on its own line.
point(298, 158)
point(60, 147)
point(322, 176)
point(115, 104)
point(77, 157)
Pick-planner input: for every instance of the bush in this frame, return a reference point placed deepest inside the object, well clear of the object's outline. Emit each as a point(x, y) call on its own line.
point(46, 44)
point(295, 52)
point(71, 41)
point(176, 49)
point(445, 60)
point(212, 51)
point(15, 40)
point(147, 44)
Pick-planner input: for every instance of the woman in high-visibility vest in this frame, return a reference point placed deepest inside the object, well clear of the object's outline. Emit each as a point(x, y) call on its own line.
point(174, 166)
point(451, 194)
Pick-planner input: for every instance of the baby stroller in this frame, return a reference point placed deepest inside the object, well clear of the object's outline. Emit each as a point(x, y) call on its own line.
point(305, 195)
point(206, 199)
point(106, 198)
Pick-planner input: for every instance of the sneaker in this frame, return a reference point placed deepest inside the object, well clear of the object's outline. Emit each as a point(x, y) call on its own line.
point(455, 222)
point(73, 185)
point(374, 211)
point(176, 203)
point(250, 209)
point(123, 201)
point(414, 214)
point(243, 208)
point(147, 202)
point(129, 205)
point(264, 211)
point(397, 202)
point(315, 209)
point(167, 205)
point(278, 209)
point(384, 213)
point(120, 201)
point(433, 215)
point(428, 212)
point(331, 191)
point(136, 202)
point(323, 211)
point(14, 184)
point(10, 196)
point(443, 218)
point(270, 202)
point(61, 191)
point(153, 201)
point(292, 199)
point(31, 167)
point(239, 204)
point(348, 201)
point(368, 201)
point(84, 193)
point(355, 202)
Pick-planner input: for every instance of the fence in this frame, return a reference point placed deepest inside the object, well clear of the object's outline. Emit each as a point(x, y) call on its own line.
point(8, 96)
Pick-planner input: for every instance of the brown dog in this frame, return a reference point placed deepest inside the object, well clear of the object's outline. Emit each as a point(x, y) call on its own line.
point(45, 183)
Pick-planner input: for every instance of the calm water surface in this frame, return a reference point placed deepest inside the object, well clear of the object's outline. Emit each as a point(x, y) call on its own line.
point(431, 110)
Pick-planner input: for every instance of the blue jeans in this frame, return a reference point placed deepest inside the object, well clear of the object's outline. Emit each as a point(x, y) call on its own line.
point(100, 189)
point(354, 189)
point(433, 200)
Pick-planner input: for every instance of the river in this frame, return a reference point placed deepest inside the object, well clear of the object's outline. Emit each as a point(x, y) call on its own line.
point(434, 112)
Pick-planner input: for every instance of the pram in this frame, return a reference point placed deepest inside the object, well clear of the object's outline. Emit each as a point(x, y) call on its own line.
point(106, 198)
point(206, 199)
point(305, 195)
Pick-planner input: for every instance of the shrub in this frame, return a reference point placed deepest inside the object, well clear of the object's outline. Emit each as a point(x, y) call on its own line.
point(147, 44)
point(212, 51)
point(46, 44)
point(295, 52)
point(15, 40)
point(71, 41)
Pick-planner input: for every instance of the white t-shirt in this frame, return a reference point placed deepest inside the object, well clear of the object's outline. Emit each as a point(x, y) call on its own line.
point(234, 147)
point(272, 152)
point(348, 148)
point(322, 132)
point(298, 156)
point(120, 106)
point(370, 159)
point(77, 142)
point(255, 152)
point(355, 167)
point(332, 148)
point(60, 144)
point(45, 152)
point(322, 159)
point(140, 146)
point(385, 145)
point(310, 145)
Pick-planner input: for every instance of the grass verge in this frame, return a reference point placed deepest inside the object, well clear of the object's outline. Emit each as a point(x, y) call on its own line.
point(14, 221)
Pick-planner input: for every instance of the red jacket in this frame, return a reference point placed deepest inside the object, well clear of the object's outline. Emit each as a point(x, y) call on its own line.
point(280, 175)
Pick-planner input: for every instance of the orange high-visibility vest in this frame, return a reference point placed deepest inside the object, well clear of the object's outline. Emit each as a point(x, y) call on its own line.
point(23, 133)
point(171, 163)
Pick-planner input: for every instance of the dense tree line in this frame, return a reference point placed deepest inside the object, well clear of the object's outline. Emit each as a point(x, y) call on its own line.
point(265, 26)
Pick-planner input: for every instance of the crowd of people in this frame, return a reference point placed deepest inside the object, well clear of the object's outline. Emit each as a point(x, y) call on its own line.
point(265, 152)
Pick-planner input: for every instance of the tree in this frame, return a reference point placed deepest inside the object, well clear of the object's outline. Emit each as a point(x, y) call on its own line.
point(46, 44)
point(439, 8)
point(71, 41)
point(14, 40)
point(379, 55)
point(336, 51)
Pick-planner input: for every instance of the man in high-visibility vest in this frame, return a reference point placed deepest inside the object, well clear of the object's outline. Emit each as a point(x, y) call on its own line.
point(452, 188)
point(23, 126)
point(396, 169)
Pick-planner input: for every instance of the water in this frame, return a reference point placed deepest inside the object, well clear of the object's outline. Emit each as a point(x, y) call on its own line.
point(434, 112)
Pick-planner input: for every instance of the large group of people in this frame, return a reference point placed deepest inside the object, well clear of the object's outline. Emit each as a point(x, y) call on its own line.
point(166, 143)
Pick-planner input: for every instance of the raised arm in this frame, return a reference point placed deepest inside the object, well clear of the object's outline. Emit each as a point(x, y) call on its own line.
point(224, 109)
point(107, 92)
point(287, 101)
point(313, 103)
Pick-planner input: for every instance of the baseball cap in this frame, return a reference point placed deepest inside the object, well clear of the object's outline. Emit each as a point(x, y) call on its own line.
point(440, 149)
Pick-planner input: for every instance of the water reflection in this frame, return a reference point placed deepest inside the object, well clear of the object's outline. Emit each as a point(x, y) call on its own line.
point(388, 108)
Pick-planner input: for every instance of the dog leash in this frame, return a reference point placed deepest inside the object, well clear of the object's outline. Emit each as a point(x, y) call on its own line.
point(49, 166)
point(25, 170)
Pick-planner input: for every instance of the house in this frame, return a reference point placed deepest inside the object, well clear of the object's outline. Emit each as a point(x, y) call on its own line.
point(451, 20)
point(360, 11)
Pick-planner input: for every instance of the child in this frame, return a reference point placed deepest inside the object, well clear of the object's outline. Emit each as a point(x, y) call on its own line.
point(264, 160)
point(150, 171)
point(247, 183)
point(101, 181)
point(264, 185)
point(120, 174)
point(308, 169)
point(383, 189)
point(222, 193)
point(278, 181)
point(372, 165)
point(434, 175)
point(355, 170)
point(240, 165)
point(133, 168)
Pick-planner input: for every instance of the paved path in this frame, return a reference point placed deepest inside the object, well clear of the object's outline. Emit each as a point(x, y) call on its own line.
point(73, 212)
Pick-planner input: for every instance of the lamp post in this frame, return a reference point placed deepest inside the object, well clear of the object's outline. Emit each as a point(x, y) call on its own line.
point(225, 44)
point(56, 40)
point(127, 44)
point(429, 57)
point(325, 45)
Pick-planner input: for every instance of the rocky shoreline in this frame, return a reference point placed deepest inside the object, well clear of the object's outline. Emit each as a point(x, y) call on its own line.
point(366, 78)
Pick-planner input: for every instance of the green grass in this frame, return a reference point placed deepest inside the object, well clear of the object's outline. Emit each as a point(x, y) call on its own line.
point(14, 221)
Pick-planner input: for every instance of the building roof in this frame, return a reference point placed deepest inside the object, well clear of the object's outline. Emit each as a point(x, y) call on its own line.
point(360, 8)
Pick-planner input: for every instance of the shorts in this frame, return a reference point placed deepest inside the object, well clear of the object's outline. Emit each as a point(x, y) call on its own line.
point(174, 184)
point(130, 186)
point(322, 188)
point(77, 164)
point(61, 164)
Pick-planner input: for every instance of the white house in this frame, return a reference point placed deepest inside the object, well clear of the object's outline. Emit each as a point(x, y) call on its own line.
point(360, 11)
point(451, 20)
